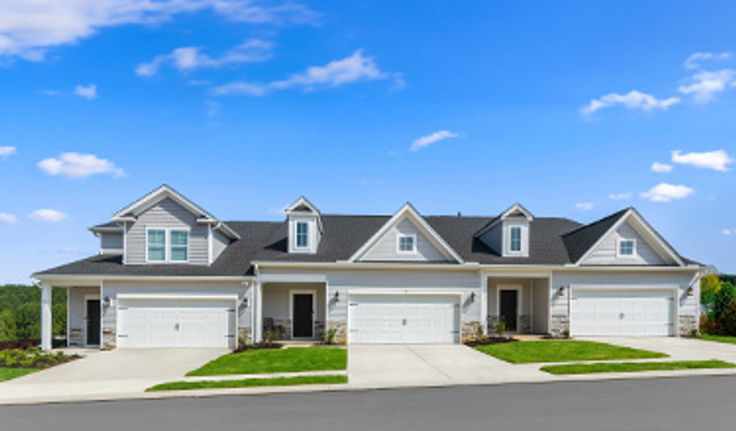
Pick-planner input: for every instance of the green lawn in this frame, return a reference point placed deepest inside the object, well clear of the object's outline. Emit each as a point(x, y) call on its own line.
point(719, 338)
point(630, 367)
point(248, 383)
point(11, 373)
point(258, 361)
point(521, 352)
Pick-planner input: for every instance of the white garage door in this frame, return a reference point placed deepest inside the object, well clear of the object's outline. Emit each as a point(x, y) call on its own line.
point(622, 312)
point(176, 323)
point(403, 319)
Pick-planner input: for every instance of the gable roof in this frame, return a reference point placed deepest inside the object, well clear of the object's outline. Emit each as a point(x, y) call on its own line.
point(514, 210)
point(302, 205)
point(165, 191)
point(409, 211)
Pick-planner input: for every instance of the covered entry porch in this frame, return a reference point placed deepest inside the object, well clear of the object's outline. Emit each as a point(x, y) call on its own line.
point(291, 310)
point(520, 301)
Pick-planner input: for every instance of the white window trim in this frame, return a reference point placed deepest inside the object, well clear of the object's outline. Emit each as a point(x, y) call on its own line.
point(296, 235)
point(511, 240)
point(413, 237)
point(519, 288)
point(633, 254)
point(167, 245)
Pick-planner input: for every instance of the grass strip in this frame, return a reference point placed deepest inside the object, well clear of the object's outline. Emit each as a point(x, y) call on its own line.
point(633, 367)
point(261, 361)
point(524, 352)
point(249, 383)
point(11, 373)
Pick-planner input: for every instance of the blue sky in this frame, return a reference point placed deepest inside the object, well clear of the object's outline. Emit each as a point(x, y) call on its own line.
point(361, 106)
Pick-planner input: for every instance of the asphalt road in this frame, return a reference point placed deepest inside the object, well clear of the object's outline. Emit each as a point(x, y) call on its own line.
point(700, 403)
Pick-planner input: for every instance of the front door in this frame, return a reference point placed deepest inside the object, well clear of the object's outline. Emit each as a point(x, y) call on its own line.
point(509, 308)
point(302, 315)
point(93, 322)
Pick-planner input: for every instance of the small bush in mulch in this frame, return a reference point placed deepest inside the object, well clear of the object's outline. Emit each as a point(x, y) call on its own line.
point(29, 343)
point(486, 341)
point(33, 358)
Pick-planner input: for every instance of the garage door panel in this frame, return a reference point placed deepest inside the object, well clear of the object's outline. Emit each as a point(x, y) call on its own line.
point(403, 319)
point(176, 323)
point(635, 312)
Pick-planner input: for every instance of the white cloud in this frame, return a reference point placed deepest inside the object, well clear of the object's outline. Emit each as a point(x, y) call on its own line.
point(727, 231)
point(6, 218)
point(632, 100)
point(664, 192)
point(584, 206)
point(88, 92)
point(47, 215)
point(661, 168)
point(716, 160)
point(430, 139)
point(705, 85)
point(191, 58)
point(75, 165)
point(693, 62)
point(7, 151)
point(347, 70)
point(620, 196)
point(29, 28)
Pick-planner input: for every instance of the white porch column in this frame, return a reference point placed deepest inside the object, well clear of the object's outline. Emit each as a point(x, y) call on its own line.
point(258, 312)
point(484, 301)
point(46, 322)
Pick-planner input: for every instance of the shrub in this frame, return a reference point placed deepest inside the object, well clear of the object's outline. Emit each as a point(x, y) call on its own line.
point(728, 319)
point(32, 358)
point(709, 325)
point(722, 299)
point(330, 335)
point(500, 326)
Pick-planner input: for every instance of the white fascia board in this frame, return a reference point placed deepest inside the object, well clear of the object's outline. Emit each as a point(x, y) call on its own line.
point(112, 229)
point(70, 279)
point(422, 224)
point(302, 201)
point(156, 196)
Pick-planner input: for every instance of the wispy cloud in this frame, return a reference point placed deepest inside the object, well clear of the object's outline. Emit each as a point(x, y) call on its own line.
point(716, 160)
point(30, 28)
point(704, 85)
point(348, 70)
point(665, 192)
point(632, 100)
point(7, 218)
point(584, 206)
point(7, 151)
point(620, 196)
point(88, 92)
point(432, 138)
point(47, 216)
point(661, 168)
point(191, 58)
point(75, 165)
point(695, 60)
point(727, 231)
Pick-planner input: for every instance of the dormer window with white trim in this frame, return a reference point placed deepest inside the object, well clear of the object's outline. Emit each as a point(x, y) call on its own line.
point(302, 234)
point(626, 248)
point(515, 238)
point(406, 244)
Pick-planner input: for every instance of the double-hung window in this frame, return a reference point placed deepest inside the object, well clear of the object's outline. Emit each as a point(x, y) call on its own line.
point(302, 234)
point(515, 243)
point(156, 245)
point(179, 245)
point(167, 245)
point(406, 244)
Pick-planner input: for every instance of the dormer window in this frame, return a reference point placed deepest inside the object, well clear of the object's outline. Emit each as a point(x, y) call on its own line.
point(515, 244)
point(302, 234)
point(626, 247)
point(406, 244)
point(167, 245)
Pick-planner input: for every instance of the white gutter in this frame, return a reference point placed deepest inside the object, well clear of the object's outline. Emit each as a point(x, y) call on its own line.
point(65, 277)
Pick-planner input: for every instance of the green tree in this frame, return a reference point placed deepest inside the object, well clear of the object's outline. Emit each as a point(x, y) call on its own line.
point(709, 286)
point(723, 298)
point(7, 326)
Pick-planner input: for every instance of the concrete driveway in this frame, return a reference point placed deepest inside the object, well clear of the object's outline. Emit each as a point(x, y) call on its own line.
point(679, 348)
point(106, 374)
point(397, 365)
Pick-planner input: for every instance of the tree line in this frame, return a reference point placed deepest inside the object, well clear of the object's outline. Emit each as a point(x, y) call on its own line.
point(20, 312)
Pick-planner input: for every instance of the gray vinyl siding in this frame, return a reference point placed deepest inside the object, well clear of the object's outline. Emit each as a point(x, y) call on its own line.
point(385, 247)
point(219, 243)
point(167, 214)
point(605, 253)
point(540, 306)
point(687, 304)
point(111, 242)
point(112, 289)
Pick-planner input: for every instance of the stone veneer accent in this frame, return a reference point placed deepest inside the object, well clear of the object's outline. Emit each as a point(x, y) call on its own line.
point(244, 336)
point(281, 329)
point(688, 324)
point(340, 327)
point(524, 324)
point(109, 337)
point(469, 331)
point(76, 337)
point(559, 324)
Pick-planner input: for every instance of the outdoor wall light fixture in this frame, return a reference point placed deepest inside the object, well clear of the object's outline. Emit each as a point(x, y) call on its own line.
point(244, 303)
point(337, 296)
point(107, 302)
point(472, 296)
point(561, 290)
point(690, 291)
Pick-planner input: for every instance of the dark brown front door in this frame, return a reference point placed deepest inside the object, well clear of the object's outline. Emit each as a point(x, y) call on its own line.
point(508, 307)
point(302, 319)
point(93, 322)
